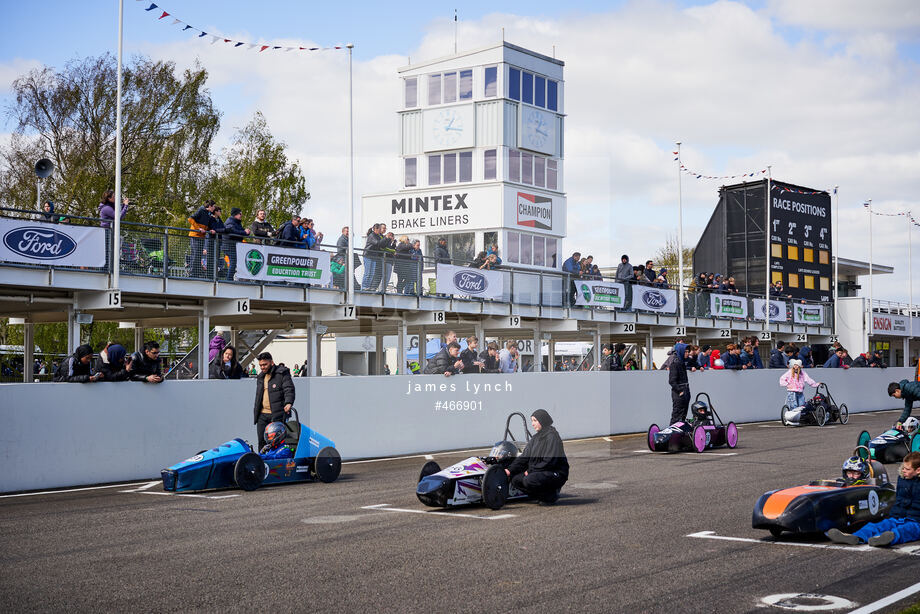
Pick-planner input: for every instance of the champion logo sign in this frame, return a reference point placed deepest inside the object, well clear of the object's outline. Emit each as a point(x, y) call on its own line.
point(654, 299)
point(39, 243)
point(470, 282)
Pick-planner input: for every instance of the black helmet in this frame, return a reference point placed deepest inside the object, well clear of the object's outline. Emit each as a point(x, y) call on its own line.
point(856, 464)
point(700, 411)
point(502, 451)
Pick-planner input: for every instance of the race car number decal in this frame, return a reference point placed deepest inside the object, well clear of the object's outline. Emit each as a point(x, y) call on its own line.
point(873, 502)
point(194, 459)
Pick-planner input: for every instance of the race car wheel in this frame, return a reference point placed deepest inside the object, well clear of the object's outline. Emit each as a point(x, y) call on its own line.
point(776, 531)
point(731, 435)
point(652, 431)
point(820, 416)
point(915, 444)
point(429, 468)
point(249, 471)
point(699, 439)
point(327, 465)
point(782, 415)
point(863, 439)
point(494, 487)
point(844, 415)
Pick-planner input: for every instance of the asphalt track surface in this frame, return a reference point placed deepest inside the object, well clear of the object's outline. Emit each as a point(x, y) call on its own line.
point(619, 540)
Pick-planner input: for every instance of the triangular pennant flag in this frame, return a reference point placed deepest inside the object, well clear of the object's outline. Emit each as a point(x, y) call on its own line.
point(251, 46)
point(263, 48)
point(214, 39)
point(187, 27)
point(286, 49)
point(165, 14)
point(238, 44)
point(227, 40)
point(675, 153)
point(151, 7)
point(203, 33)
point(175, 21)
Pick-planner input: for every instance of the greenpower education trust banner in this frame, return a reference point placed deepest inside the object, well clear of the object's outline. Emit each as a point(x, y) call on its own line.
point(268, 263)
point(598, 293)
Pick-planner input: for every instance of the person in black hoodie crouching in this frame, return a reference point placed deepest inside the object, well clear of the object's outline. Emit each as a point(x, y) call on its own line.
point(542, 468)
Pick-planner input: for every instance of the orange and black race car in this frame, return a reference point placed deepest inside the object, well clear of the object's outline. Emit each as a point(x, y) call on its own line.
point(826, 504)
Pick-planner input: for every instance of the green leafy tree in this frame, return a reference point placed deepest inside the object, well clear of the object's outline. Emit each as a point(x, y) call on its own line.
point(68, 116)
point(256, 173)
point(666, 256)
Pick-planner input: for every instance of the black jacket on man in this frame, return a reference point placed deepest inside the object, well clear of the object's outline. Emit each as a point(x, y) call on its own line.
point(441, 363)
point(616, 362)
point(468, 357)
point(544, 452)
point(777, 359)
point(262, 230)
point(280, 392)
point(492, 364)
point(143, 366)
point(442, 256)
point(203, 217)
point(234, 230)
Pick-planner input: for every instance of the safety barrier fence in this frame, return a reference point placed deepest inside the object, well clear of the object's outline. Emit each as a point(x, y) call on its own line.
point(172, 253)
point(161, 424)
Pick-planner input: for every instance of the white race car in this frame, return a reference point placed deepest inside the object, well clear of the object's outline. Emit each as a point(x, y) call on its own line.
point(478, 479)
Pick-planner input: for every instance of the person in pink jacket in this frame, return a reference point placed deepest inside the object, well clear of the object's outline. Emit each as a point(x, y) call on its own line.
point(794, 380)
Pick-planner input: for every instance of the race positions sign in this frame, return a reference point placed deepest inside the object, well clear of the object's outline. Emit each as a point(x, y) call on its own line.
point(800, 241)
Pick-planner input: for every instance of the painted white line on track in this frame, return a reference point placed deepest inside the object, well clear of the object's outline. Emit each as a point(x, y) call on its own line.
point(749, 540)
point(887, 601)
point(55, 492)
point(144, 487)
point(385, 507)
point(642, 451)
point(608, 439)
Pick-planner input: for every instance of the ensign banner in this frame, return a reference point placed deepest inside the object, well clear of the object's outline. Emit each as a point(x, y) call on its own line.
point(268, 263)
point(469, 282)
point(51, 244)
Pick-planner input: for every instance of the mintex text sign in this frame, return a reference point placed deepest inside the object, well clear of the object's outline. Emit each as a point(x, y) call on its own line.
point(435, 210)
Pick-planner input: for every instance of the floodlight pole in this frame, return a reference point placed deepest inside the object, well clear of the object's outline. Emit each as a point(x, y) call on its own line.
point(116, 227)
point(834, 236)
point(768, 203)
point(350, 299)
point(869, 321)
point(910, 286)
point(680, 241)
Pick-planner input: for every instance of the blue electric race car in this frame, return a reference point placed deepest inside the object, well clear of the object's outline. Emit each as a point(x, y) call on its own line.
point(235, 464)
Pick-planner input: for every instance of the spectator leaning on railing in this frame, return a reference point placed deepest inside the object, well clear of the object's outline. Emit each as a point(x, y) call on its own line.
point(446, 362)
point(234, 233)
point(470, 357)
point(289, 233)
point(78, 368)
point(441, 255)
point(624, 270)
point(508, 358)
point(200, 227)
point(489, 358)
point(261, 229)
point(144, 365)
point(371, 258)
point(107, 208)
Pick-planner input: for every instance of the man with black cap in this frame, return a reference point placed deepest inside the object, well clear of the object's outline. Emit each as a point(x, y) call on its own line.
point(680, 385)
point(542, 468)
point(235, 233)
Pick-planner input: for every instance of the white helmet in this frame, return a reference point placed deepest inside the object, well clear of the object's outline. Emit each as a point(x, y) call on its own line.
point(911, 425)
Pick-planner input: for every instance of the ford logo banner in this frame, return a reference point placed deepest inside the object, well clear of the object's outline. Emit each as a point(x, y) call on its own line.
point(39, 243)
point(471, 282)
point(654, 299)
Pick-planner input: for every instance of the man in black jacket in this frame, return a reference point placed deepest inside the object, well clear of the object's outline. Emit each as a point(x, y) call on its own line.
point(778, 358)
point(261, 228)
point(274, 395)
point(144, 366)
point(441, 254)
point(542, 468)
point(447, 361)
point(489, 358)
point(469, 356)
point(78, 368)
point(680, 385)
point(202, 224)
point(233, 233)
point(616, 359)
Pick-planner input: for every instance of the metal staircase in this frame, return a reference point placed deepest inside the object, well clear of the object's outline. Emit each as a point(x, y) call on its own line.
point(249, 344)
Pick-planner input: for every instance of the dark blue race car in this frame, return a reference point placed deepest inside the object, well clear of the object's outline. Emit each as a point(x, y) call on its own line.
point(235, 464)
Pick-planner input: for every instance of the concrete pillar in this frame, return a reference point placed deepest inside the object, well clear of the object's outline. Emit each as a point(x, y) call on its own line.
point(318, 370)
point(422, 343)
point(480, 332)
point(649, 340)
point(597, 349)
point(906, 360)
point(537, 348)
point(204, 327)
point(28, 347)
point(552, 355)
point(73, 331)
point(138, 339)
point(379, 355)
point(401, 333)
point(312, 357)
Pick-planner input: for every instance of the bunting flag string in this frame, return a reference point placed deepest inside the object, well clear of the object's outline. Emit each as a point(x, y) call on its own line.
point(906, 214)
point(232, 43)
point(684, 169)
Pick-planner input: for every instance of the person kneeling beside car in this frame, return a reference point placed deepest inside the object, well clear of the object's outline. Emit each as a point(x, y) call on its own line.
point(542, 468)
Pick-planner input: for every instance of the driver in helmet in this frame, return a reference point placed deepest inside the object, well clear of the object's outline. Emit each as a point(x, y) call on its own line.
point(699, 414)
point(909, 426)
point(274, 442)
point(855, 472)
point(542, 468)
point(503, 452)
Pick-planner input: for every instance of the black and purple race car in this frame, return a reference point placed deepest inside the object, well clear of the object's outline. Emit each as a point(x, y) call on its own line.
point(699, 433)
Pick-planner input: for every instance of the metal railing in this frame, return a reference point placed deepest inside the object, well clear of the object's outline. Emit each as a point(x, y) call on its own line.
point(170, 252)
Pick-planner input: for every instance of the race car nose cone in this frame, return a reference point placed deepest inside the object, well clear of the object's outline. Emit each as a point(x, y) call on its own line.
point(434, 490)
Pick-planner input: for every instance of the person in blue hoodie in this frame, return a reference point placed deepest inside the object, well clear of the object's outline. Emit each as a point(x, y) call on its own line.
point(808, 362)
point(680, 385)
point(755, 356)
point(835, 361)
point(778, 358)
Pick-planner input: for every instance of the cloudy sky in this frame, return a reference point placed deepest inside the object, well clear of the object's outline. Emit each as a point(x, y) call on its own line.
point(825, 91)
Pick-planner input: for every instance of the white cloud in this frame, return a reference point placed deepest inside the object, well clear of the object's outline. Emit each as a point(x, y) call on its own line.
point(12, 70)
point(721, 78)
point(891, 15)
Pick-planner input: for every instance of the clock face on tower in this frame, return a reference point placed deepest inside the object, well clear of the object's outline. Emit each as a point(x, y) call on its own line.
point(447, 128)
point(450, 128)
point(538, 131)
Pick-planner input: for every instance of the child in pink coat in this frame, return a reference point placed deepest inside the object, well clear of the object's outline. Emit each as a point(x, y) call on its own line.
point(794, 380)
